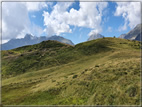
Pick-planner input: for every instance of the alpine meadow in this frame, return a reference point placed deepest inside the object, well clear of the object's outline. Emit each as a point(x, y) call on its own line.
point(71, 53)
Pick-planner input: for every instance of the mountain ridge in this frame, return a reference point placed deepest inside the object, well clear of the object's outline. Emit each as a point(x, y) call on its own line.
point(30, 40)
point(133, 34)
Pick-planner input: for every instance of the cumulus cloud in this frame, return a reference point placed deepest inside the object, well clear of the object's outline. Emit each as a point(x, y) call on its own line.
point(35, 6)
point(56, 22)
point(36, 30)
point(96, 31)
point(15, 19)
point(89, 15)
point(131, 12)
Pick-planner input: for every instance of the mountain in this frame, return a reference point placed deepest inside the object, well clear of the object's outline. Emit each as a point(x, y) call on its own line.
point(132, 34)
point(60, 39)
point(14, 43)
point(105, 71)
point(95, 36)
point(122, 36)
point(139, 38)
point(30, 40)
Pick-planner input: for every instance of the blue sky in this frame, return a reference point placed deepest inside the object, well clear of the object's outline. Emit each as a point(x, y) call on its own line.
point(72, 20)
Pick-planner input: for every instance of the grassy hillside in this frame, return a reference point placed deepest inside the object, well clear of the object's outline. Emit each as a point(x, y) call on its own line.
point(99, 72)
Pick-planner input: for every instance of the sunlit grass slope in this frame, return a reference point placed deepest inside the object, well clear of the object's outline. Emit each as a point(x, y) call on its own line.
point(99, 72)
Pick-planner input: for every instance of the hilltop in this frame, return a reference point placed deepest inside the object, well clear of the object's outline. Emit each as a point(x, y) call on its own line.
point(104, 71)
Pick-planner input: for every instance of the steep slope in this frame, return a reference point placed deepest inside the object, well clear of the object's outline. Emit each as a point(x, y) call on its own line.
point(132, 34)
point(30, 40)
point(139, 37)
point(95, 36)
point(105, 71)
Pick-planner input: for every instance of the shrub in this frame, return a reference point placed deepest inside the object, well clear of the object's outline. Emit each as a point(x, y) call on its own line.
point(132, 91)
point(22, 55)
point(75, 76)
point(96, 65)
point(82, 72)
point(53, 80)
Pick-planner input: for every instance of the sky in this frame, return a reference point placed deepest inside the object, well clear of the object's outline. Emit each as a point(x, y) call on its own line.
point(72, 20)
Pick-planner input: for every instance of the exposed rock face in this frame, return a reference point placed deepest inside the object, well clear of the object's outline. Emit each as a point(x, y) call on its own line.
point(133, 34)
point(139, 37)
point(122, 36)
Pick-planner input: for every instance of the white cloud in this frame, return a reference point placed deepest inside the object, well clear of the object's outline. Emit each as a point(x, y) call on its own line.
point(124, 27)
point(131, 12)
point(56, 22)
point(36, 30)
point(3, 41)
point(35, 6)
point(59, 20)
point(15, 19)
point(96, 31)
point(88, 17)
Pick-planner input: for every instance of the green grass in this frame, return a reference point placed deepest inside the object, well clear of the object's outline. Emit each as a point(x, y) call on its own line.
point(100, 72)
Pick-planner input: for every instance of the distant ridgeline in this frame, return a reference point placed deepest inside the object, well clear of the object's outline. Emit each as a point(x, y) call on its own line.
point(30, 40)
point(134, 34)
point(95, 36)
